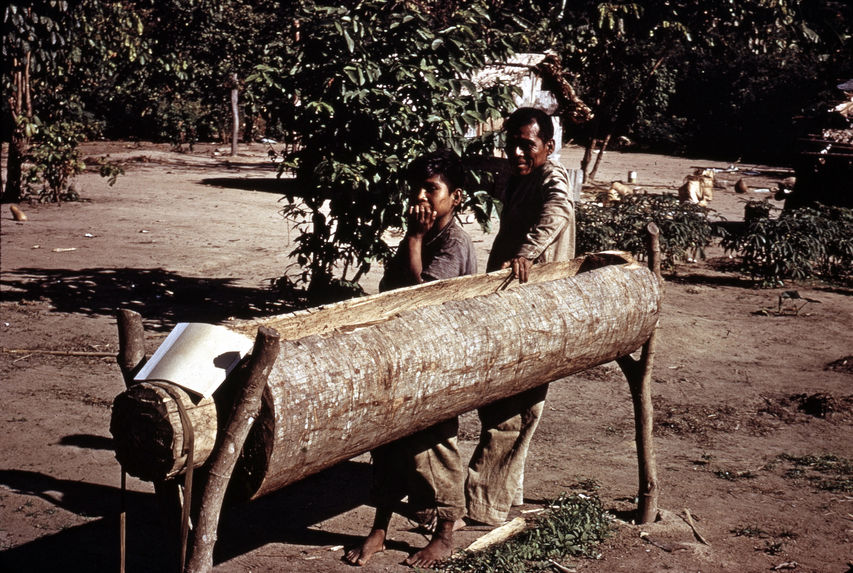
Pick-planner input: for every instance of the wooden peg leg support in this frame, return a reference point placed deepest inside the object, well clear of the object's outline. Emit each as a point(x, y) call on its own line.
point(247, 406)
point(639, 375)
point(131, 358)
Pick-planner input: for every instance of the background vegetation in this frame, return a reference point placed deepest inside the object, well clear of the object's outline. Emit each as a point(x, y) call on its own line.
point(356, 88)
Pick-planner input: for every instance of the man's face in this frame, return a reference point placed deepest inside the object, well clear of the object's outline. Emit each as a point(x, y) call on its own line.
point(525, 149)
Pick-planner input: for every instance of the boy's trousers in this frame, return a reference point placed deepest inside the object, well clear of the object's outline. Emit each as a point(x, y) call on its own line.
point(496, 471)
point(427, 467)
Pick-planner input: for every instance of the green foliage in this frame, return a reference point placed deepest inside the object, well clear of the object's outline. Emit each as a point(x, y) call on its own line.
point(803, 243)
point(572, 526)
point(685, 230)
point(54, 161)
point(365, 89)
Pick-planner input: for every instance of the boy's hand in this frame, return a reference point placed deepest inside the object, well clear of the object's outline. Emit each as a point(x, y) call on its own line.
point(520, 268)
point(421, 220)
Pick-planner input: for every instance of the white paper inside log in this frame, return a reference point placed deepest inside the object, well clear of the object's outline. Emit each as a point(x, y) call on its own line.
point(196, 357)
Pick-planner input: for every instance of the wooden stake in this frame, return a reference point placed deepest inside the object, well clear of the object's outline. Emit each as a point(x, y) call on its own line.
point(246, 409)
point(131, 344)
point(639, 375)
point(131, 358)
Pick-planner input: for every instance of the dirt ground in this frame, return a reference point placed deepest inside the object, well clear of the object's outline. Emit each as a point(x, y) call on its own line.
point(742, 394)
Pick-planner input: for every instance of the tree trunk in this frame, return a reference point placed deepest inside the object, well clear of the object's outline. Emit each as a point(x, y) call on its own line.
point(358, 374)
point(235, 114)
point(600, 156)
point(12, 192)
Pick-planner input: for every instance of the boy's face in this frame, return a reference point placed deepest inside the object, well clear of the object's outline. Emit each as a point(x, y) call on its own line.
point(526, 150)
point(434, 194)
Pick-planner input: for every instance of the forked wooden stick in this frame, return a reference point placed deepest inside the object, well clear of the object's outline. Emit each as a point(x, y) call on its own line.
point(224, 457)
point(639, 375)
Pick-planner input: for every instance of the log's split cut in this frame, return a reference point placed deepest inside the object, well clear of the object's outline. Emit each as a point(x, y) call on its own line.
point(354, 375)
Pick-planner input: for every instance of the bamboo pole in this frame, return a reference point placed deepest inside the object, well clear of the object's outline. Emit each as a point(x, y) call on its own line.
point(225, 455)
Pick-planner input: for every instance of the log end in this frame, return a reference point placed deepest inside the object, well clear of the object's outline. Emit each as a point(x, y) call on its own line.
point(148, 434)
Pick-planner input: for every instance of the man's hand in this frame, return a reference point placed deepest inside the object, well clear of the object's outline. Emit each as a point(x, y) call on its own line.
point(520, 268)
point(421, 220)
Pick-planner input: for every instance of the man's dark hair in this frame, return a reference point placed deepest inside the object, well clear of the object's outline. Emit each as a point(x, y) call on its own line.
point(527, 115)
point(443, 162)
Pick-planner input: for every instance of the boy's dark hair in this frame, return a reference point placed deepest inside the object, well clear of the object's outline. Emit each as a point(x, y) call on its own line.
point(443, 162)
point(527, 115)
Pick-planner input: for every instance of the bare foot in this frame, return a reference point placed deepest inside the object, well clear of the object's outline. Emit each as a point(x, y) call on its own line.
point(439, 548)
point(435, 551)
point(373, 543)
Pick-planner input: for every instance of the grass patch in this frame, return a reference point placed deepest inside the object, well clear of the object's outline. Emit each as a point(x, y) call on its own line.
point(573, 525)
point(827, 472)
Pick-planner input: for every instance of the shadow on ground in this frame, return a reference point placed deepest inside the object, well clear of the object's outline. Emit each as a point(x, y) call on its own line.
point(166, 295)
point(282, 517)
point(265, 185)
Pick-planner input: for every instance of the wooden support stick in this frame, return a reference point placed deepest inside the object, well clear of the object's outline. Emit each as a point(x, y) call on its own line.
point(131, 358)
point(224, 458)
point(131, 344)
point(639, 375)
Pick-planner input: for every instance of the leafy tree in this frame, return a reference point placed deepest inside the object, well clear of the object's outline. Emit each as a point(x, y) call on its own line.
point(692, 74)
point(366, 87)
point(47, 47)
point(179, 91)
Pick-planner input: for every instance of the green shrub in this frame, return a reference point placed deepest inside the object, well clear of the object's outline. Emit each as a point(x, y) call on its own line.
point(573, 525)
point(685, 230)
point(54, 160)
point(804, 243)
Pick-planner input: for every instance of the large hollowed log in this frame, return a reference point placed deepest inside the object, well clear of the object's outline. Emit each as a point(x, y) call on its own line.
point(352, 376)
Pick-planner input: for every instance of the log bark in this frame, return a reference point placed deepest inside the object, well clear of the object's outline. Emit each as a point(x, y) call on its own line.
point(357, 374)
point(224, 459)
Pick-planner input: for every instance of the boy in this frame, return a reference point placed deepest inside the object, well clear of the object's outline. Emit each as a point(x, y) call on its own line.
point(537, 225)
point(427, 464)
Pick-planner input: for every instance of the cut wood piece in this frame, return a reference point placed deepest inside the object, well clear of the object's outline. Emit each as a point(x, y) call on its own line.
point(148, 434)
point(498, 535)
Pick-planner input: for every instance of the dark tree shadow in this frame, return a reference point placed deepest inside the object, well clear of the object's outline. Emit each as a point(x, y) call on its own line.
point(264, 185)
point(166, 295)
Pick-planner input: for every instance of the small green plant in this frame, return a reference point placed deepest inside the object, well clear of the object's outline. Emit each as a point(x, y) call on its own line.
point(827, 472)
point(54, 161)
point(804, 243)
point(573, 525)
point(685, 230)
point(183, 122)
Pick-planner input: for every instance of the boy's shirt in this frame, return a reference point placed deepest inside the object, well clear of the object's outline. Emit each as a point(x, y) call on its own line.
point(537, 220)
point(447, 255)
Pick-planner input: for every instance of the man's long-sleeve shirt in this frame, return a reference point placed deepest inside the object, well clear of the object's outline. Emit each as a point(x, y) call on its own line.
point(537, 220)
